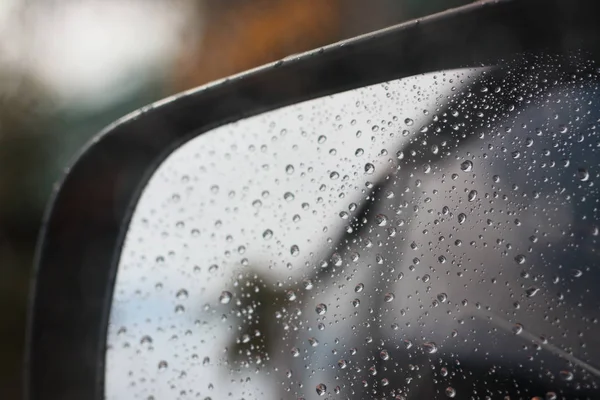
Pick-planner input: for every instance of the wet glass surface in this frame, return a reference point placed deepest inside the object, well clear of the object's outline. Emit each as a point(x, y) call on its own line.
point(430, 237)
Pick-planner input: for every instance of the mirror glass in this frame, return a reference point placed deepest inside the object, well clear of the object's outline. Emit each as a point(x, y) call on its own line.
point(426, 238)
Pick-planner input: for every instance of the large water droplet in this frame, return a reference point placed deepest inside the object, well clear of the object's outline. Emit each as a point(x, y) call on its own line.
point(384, 355)
point(472, 195)
point(517, 329)
point(295, 352)
point(430, 347)
point(321, 309)
point(225, 297)
point(466, 166)
point(583, 174)
point(566, 375)
point(450, 392)
point(288, 196)
point(520, 259)
point(294, 250)
point(182, 294)
point(290, 295)
point(381, 220)
point(321, 389)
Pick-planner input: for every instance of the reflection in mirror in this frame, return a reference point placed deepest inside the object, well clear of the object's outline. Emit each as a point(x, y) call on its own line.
point(426, 238)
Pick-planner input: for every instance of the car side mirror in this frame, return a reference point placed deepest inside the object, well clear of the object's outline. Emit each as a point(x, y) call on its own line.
point(244, 238)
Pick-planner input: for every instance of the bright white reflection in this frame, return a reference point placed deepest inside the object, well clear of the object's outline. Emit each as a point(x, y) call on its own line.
point(89, 52)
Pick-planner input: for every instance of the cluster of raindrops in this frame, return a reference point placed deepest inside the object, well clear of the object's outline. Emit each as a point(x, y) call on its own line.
point(445, 247)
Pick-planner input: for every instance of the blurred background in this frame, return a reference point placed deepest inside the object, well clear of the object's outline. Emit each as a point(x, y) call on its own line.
point(68, 68)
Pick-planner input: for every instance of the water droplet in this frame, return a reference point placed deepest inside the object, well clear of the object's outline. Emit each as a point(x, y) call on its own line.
point(322, 139)
point(369, 168)
point(162, 365)
point(381, 220)
point(146, 340)
point(288, 373)
point(532, 291)
point(430, 347)
point(359, 288)
point(551, 396)
point(566, 375)
point(450, 392)
point(295, 352)
point(321, 389)
point(583, 175)
point(466, 166)
point(444, 371)
point(442, 297)
point(472, 195)
point(517, 329)
point(462, 217)
point(294, 250)
point(384, 355)
point(389, 297)
point(313, 342)
point(321, 309)
point(516, 154)
point(409, 122)
point(342, 364)
point(308, 284)
point(213, 268)
point(288, 196)
point(182, 294)
point(336, 259)
point(356, 303)
point(291, 295)
point(289, 169)
point(520, 259)
point(257, 204)
point(359, 152)
point(225, 297)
